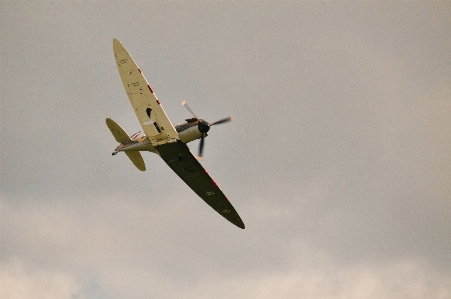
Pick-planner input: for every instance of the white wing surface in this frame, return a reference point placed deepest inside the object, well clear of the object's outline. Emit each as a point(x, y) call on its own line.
point(148, 109)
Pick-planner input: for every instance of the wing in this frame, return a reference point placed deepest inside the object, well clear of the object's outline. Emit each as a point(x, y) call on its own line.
point(178, 156)
point(149, 112)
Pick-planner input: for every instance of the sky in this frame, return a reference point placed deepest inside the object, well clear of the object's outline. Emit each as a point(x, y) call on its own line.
point(338, 159)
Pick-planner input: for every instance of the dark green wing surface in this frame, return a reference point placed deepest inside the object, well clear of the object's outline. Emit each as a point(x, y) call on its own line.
point(178, 156)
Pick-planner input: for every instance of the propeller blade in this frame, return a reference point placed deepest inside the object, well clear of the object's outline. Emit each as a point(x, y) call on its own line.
point(221, 121)
point(188, 108)
point(201, 145)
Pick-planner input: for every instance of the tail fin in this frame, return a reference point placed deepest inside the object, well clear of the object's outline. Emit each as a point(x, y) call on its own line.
point(121, 136)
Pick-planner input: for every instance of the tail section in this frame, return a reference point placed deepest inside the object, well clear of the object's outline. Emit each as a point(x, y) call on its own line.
point(121, 136)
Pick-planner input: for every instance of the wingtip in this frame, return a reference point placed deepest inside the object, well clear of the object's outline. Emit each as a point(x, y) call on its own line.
point(117, 44)
point(238, 222)
point(241, 224)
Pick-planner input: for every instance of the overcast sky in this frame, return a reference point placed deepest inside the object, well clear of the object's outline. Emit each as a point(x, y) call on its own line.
point(338, 159)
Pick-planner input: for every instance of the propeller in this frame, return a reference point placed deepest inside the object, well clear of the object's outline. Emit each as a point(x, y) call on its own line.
point(185, 104)
point(204, 127)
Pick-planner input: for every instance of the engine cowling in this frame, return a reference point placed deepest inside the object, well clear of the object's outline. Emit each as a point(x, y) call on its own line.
point(189, 134)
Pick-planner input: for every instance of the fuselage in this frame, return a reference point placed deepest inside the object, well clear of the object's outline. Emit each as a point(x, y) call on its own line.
point(191, 130)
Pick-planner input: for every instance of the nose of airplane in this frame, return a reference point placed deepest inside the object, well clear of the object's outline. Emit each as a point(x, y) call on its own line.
point(203, 126)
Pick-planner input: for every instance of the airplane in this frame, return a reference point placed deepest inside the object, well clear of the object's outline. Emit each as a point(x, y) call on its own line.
point(165, 139)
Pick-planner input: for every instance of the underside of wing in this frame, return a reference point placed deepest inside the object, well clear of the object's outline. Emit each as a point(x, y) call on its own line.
point(147, 107)
point(178, 156)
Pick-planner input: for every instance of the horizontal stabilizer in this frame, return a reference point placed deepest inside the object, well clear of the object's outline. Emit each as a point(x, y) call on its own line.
point(118, 133)
point(137, 159)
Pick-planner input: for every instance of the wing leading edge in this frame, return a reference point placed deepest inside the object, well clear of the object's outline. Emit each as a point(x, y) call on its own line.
point(180, 159)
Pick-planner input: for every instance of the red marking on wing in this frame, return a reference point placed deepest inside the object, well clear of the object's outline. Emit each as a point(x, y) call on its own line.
point(139, 71)
point(158, 102)
point(150, 88)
